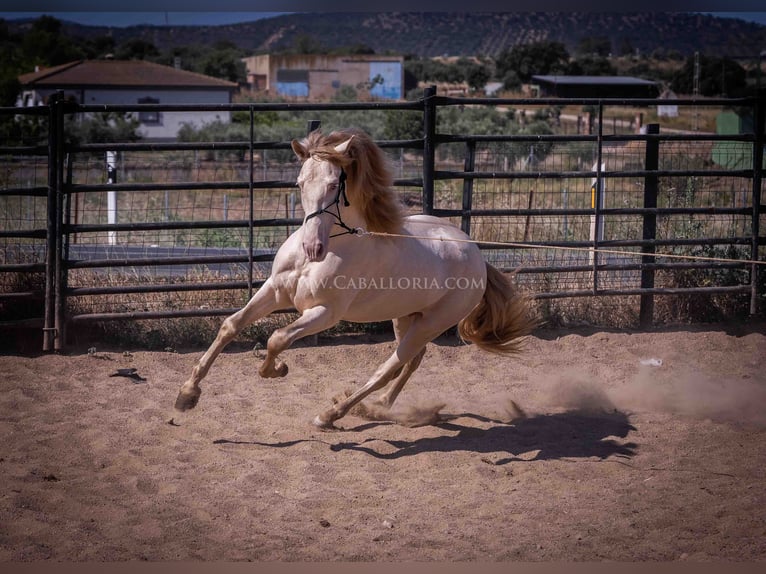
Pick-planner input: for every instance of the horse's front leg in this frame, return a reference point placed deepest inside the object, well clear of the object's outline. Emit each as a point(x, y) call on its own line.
point(312, 321)
point(265, 301)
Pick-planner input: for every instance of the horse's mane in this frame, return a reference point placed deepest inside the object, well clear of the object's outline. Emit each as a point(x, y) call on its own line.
point(369, 178)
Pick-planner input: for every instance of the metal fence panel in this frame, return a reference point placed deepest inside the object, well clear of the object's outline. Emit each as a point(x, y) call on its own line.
point(98, 231)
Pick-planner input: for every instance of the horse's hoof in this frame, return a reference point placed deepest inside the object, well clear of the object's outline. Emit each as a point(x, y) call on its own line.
point(323, 424)
point(187, 401)
point(279, 371)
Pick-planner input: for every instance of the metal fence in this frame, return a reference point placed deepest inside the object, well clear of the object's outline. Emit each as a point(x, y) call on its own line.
point(594, 211)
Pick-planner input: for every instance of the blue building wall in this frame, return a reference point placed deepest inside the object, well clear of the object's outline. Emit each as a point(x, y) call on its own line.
point(391, 72)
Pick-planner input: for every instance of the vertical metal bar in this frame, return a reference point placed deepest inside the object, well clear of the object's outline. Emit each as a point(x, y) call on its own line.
point(598, 199)
point(760, 128)
point(528, 218)
point(111, 196)
point(51, 229)
point(68, 203)
point(62, 251)
point(52, 314)
point(470, 165)
point(651, 188)
point(251, 211)
point(60, 285)
point(429, 148)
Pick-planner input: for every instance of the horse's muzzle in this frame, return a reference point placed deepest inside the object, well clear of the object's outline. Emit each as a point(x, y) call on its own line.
point(314, 250)
point(315, 238)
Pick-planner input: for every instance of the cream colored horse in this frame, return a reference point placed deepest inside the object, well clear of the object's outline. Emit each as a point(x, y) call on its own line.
point(331, 270)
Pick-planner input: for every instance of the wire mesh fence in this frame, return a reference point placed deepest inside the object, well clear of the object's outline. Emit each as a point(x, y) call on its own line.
point(24, 175)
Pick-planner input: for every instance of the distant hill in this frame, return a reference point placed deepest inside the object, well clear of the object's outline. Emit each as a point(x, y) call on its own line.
point(457, 34)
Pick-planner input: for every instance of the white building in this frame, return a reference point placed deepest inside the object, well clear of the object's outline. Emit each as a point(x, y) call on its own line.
point(132, 82)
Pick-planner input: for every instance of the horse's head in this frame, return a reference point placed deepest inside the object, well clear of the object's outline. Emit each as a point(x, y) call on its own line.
point(322, 183)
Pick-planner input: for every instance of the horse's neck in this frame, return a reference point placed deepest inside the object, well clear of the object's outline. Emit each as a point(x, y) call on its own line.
point(352, 217)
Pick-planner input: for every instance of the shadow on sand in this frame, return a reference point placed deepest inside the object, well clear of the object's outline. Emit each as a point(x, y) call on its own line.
point(570, 434)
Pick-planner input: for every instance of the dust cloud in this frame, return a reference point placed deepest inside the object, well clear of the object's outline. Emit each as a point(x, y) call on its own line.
point(695, 394)
point(692, 394)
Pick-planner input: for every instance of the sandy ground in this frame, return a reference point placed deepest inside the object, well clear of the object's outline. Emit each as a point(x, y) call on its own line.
point(614, 460)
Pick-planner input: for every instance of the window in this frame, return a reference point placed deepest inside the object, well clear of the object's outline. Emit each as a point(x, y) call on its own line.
point(148, 116)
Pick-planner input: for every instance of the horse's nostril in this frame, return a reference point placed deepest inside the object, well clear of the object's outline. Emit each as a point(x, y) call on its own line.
point(314, 251)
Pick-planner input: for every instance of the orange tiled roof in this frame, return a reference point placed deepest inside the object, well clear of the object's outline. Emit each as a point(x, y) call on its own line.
point(120, 74)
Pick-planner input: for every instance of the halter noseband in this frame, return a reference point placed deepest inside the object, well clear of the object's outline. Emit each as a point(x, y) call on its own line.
point(336, 202)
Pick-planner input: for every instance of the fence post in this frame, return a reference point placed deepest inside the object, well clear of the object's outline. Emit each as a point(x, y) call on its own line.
point(62, 249)
point(111, 196)
point(51, 335)
point(651, 184)
point(250, 207)
point(598, 200)
point(760, 127)
point(429, 148)
point(470, 165)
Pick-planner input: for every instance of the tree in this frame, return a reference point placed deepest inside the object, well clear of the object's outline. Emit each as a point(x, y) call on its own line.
point(465, 70)
point(403, 125)
point(10, 88)
point(23, 130)
point(597, 45)
point(476, 75)
point(45, 45)
point(511, 80)
point(225, 62)
point(591, 66)
point(102, 128)
point(305, 44)
point(358, 49)
point(99, 47)
point(466, 120)
point(137, 49)
point(527, 60)
point(10, 65)
point(626, 47)
point(717, 77)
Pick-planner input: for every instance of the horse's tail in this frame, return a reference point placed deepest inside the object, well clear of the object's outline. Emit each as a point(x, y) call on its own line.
point(500, 320)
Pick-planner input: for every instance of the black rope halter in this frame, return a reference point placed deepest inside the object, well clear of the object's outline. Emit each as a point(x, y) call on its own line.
point(336, 203)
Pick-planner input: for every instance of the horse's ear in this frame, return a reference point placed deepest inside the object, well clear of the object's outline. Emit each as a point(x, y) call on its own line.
point(299, 150)
point(342, 147)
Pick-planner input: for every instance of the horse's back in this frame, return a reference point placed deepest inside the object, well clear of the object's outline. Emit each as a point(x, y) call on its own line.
point(447, 241)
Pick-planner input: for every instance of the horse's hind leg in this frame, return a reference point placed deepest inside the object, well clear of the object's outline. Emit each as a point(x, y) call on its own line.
point(401, 326)
point(411, 346)
point(261, 304)
point(388, 398)
point(312, 321)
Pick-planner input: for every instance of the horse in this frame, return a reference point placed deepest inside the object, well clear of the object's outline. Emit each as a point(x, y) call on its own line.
point(357, 257)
